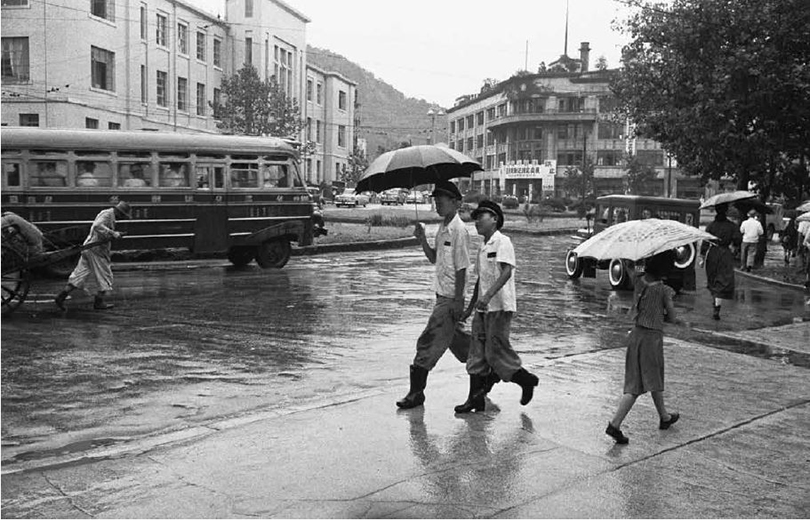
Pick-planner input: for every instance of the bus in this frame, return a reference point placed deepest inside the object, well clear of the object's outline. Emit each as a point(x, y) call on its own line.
point(212, 194)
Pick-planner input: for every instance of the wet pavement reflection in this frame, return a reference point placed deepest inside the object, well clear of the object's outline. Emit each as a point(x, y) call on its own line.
point(185, 346)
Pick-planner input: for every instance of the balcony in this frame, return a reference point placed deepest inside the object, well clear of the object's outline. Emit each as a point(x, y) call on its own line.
point(587, 115)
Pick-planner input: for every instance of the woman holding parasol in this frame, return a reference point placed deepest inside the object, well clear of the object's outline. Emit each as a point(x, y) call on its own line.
point(718, 258)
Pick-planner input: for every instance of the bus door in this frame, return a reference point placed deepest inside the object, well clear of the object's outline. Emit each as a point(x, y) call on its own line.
point(211, 209)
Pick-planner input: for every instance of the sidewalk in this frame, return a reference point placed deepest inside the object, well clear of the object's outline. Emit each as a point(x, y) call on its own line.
point(739, 451)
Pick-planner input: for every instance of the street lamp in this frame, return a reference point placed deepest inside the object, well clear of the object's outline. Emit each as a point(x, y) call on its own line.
point(433, 114)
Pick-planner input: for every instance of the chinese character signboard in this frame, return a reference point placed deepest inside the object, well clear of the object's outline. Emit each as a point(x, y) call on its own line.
point(533, 170)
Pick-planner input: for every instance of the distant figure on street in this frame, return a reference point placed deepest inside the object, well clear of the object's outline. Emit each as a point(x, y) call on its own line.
point(644, 361)
point(96, 261)
point(495, 303)
point(719, 259)
point(804, 230)
point(751, 230)
point(451, 256)
point(790, 240)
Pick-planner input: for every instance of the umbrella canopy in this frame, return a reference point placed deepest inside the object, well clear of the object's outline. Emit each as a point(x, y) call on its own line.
point(804, 207)
point(639, 239)
point(744, 205)
point(726, 198)
point(803, 217)
point(413, 166)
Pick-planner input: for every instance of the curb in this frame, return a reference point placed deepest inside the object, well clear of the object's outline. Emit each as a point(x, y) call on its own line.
point(768, 280)
point(355, 246)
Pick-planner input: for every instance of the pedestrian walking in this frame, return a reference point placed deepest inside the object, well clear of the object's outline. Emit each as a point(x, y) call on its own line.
point(451, 256)
point(494, 303)
point(95, 264)
point(789, 237)
point(644, 360)
point(804, 231)
point(719, 259)
point(751, 230)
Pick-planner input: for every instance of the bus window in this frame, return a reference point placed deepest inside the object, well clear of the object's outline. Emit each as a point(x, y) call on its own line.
point(619, 214)
point(275, 176)
point(203, 176)
point(219, 177)
point(11, 173)
point(174, 175)
point(245, 175)
point(93, 173)
point(135, 175)
point(48, 173)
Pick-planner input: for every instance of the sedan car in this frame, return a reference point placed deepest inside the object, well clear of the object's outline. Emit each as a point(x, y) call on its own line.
point(415, 197)
point(349, 198)
point(394, 196)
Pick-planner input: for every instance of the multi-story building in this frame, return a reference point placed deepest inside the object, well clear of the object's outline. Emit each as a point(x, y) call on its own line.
point(153, 64)
point(526, 127)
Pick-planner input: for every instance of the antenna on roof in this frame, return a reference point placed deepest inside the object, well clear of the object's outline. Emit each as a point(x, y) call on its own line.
point(565, 53)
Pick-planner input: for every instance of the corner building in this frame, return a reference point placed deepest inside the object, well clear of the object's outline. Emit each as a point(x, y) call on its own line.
point(549, 122)
point(147, 64)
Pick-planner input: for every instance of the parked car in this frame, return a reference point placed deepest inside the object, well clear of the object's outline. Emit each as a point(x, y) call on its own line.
point(349, 198)
point(393, 196)
point(415, 197)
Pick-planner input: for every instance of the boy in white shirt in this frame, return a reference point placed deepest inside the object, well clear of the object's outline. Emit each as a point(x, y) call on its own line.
point(751, 230)
point(494, 303)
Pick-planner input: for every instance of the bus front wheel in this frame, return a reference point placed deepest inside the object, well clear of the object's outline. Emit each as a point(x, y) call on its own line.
point(274, 254)
point(241, 255)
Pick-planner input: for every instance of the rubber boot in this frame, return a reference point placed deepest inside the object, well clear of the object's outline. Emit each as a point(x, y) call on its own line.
point(415, 396)
point(100, 304)
point(527, 382)
point(490, 380)
point(475, 400)
point(60, 300)
point(716, 313)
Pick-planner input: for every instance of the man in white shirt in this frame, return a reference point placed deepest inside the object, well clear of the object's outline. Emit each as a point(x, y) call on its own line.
point(495, 303)
point(751, 230)
point(451, 256)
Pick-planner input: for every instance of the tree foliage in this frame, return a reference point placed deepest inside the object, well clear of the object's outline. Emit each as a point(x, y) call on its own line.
point(358, 163)
point(579, 181)
point(723, 85)
point(256, 107)
point(638, 176)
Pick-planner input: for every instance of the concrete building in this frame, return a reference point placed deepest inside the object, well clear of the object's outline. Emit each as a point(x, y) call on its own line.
point(157, 64)
point(529, 130)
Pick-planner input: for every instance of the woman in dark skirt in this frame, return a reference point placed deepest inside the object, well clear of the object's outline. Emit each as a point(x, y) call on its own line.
point(718, 257)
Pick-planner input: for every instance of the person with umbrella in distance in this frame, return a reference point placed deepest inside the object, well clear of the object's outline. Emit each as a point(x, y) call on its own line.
point(644, 361)
point(95, 262)
point(719, 259)
point(494, 303)
point(450, 255)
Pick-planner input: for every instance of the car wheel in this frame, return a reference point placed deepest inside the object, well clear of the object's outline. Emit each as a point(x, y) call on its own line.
point(274, 253)
point(573, 265)
point(684, 256)
point(619, 275)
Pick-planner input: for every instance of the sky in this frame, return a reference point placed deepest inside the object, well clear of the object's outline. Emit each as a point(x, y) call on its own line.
point(438, 50)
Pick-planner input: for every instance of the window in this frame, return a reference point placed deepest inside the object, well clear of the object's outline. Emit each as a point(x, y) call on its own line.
point(113, 126)
point(309, 129)
point(201, 101)
point(538, 133)
point(342, 100)
point(162, 80)
point(48, 173)
point(144, 85)
point(217, 52)
point(470, 121)
point(248, 8)
point(469, 144)
point(135, 175)
point(319, 93)
point(490, 138)
point(15, 3)
point(609, 157)
point(480, 118)
point(102, 67)
point(610, 130)
point(217, 97)
point(29, 120)
point(144, 25)
point(15, 60)
point(162, 30)
point(103, 9)
point(309, 90)
point(283, 69)
point(90, 123)
point(490, 114)
point(182, 94)
point(452, 127)
point(479, 141)
point(248, 51)
point(244, 175)
point(182, 38)
point(342, 136)
point(317, 131)
point(173, 175)
point(11, 173)
point(200, 46)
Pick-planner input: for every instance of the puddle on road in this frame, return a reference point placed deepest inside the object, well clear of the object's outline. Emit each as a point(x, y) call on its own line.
point(72, 448)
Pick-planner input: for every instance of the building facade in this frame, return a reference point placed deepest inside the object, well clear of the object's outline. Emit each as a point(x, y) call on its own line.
point(151, 64)
point(526, 127)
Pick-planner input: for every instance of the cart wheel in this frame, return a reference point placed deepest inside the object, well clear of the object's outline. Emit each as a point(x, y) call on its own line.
point(16, 279)
point(241, 255)
point(274, 254)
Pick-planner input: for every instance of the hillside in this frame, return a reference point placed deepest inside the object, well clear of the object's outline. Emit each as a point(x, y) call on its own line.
point(387, 117)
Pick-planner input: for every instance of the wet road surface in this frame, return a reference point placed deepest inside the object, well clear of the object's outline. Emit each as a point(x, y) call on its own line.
point(185, 346)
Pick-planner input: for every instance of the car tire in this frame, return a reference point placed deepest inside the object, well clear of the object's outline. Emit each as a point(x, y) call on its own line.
point(274, 253)
point(619, 275)
point(573, 265)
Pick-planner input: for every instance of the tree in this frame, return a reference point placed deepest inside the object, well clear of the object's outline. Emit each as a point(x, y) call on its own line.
point(601, 63)
point(579, 181)
point(722, 84)
point(357, 165)
point(639, 174)
point(254, 107)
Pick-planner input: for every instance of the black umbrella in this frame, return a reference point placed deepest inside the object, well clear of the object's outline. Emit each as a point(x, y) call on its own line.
point(414, 166)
